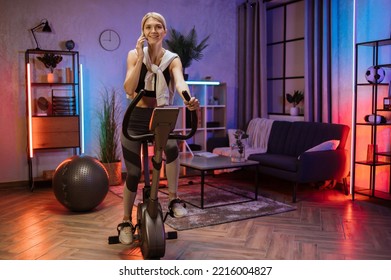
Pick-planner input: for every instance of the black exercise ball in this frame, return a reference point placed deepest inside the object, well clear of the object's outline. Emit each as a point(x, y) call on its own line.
point(80, 183)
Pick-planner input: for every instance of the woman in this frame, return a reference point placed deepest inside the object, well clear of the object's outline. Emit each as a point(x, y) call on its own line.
point(157, 71)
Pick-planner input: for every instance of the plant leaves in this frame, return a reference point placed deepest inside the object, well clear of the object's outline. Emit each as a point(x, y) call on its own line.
point(109, 130)
point(50, 60)
point(185, 46)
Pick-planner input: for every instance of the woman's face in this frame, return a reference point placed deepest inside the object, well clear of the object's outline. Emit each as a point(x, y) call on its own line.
point(154, 31)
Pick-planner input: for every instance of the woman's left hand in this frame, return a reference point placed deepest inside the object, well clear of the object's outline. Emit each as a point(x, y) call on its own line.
point(192, 104)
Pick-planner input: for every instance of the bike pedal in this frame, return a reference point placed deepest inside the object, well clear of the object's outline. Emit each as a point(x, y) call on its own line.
point(136, 236)
point(171, 235)
point(113, 239)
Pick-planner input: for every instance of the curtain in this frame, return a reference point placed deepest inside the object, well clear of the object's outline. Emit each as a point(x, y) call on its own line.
point(252, 84)
point(317, 93)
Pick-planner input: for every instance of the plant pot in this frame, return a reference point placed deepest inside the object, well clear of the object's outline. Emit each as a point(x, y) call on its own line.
point(114, 169)
point(295, 111)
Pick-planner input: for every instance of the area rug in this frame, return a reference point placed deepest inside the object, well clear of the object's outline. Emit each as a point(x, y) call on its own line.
point(216, 196)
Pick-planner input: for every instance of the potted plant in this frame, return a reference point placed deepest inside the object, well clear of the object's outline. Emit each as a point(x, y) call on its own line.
point(109, 135)
point(50, 60)
point(295, 99)
point(238, 148)
point(186, 46)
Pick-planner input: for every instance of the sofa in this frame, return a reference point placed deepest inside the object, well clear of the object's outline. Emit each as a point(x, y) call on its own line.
point(299, 151)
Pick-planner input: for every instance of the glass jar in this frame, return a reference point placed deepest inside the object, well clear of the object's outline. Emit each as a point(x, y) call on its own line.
point(238, 153)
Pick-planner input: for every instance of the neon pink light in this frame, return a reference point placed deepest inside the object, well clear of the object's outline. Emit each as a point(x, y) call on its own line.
point(29, 113)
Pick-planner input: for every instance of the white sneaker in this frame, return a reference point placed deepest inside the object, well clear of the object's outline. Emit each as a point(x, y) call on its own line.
point(178, 208)
point(125, 232)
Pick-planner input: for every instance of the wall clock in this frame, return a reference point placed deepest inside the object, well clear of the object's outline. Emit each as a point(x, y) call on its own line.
point(109, 40)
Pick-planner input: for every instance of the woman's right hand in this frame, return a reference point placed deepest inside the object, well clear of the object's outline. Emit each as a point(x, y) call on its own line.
point(140, 46)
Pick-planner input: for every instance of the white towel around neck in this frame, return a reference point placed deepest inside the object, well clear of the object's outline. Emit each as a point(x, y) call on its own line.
point(164, 92)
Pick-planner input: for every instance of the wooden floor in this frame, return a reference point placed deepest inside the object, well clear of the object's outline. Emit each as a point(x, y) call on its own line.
point(326, 225)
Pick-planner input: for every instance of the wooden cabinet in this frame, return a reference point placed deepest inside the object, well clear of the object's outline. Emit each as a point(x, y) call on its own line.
point(53, 132)
point(211, 114)
point(53, 104)
point(371, 129)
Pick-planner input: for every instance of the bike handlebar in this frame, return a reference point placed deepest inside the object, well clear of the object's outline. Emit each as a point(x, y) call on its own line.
point(150, 136)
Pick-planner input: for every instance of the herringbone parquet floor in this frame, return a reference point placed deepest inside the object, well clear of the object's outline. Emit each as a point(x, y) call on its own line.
point(326, 225)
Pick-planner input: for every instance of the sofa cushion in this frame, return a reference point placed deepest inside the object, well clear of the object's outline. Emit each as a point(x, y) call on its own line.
point(294, 138)
point(279, 134)
point(279, 161)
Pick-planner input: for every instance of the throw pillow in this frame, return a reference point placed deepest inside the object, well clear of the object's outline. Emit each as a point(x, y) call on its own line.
point(325, 146)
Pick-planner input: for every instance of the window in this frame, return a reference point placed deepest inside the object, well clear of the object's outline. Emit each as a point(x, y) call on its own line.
point(285, 57)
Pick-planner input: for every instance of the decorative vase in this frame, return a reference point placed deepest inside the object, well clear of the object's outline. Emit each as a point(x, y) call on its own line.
point(114, 169)
point(58, 75)
point(295, 111)
point(237, 153)
point(68, 75)
point(51, 77)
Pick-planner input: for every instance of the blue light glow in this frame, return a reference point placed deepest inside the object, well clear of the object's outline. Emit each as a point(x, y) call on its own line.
point(81, 111)
point(206, 83)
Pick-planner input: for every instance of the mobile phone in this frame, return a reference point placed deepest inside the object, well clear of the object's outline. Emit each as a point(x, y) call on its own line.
point(142, 35)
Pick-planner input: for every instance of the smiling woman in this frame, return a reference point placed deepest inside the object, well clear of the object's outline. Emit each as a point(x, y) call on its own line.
point(156, 71)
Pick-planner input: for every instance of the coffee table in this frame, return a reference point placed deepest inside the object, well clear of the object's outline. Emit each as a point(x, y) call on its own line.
point(204, 165)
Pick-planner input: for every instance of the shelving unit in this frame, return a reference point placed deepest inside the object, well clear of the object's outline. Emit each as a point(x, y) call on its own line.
point(53, 106)
point(370, 172)
point(211, 114)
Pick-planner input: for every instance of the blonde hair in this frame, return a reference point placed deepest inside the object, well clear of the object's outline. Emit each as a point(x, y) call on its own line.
point(154, 15)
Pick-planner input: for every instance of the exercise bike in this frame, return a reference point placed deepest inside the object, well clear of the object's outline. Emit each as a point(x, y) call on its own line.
point(149, 230)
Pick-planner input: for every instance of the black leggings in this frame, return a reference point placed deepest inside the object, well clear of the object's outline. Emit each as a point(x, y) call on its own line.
point(131, 150)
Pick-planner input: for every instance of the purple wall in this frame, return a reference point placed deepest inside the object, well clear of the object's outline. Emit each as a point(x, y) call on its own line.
point(83, 21)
